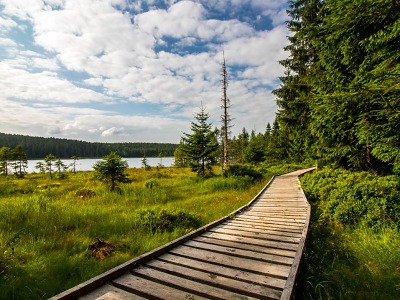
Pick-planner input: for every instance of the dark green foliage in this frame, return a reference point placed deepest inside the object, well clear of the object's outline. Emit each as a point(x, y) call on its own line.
point(179, 157)
point(39, 147)
point(111, 170)
point(294, 95)
point(5, 156)
point(20, 161)
point(339, 98)
point(166, 220)
point(243, 171)
point(255, 149)
point(200, 147)
point(49, 162)
point(353, 198)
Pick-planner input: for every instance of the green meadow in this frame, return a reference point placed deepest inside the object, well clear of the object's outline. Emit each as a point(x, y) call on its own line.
point(49, 229)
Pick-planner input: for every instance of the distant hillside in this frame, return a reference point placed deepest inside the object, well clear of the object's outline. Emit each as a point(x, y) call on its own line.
point(39, 147)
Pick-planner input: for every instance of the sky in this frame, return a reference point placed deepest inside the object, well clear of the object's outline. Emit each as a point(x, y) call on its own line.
point(137, 71)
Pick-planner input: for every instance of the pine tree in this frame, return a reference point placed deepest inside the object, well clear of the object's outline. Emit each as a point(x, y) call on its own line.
point(5, 157)
point(111, 169)
point(200, 147)
point(20, 161)
point(49, 161)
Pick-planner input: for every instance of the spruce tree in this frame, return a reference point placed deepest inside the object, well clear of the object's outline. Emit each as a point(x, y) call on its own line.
point(355, 115)
point(111, 169)
point(200, 147)
point(295, 93)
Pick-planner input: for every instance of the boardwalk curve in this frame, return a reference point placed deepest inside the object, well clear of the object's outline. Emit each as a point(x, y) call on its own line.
point(252, 254)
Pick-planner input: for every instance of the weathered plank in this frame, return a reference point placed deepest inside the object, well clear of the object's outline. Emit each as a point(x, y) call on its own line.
point(271, 269)
point(227, 271)
point(216, 280)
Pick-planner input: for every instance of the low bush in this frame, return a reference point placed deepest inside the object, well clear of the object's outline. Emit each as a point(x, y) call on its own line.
point(160, 220)
point(216, 184)
point(353, 198)
point(244, 171)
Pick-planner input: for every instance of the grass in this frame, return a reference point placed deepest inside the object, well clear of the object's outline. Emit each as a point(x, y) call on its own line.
point(47, 225)
point(350, 260)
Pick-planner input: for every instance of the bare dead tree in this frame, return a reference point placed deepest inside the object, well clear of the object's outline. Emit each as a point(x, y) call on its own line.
point(225, 118)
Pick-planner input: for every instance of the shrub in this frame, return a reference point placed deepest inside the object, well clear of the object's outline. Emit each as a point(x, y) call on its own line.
point(352, 198)
point(166, 220)
point(151, 183)
point(216, 184)
point(242, 171)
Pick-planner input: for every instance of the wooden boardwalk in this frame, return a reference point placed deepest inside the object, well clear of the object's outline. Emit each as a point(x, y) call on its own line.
point(252, 254)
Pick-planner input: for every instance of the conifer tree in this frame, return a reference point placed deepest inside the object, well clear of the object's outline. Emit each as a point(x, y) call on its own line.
point(200, 147)
point(5, 157)
point(111, 169)
point(356, 111)
point(20, 161)
point(295, 93)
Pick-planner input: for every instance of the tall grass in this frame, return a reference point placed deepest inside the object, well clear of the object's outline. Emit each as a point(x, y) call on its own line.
point(46, 226)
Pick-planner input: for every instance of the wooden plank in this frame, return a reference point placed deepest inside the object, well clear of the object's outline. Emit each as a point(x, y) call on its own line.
point(265, 228)
point(280, 216)
point(279, 237)
point(281, 224)
point(280, 213)
point(240, 252)
point(234, 262)
point(263, 218)
point(216, 280)
point(259, 233)
point(246, 246)
point(284, 209)
point(151, 289)
point(288, 220)
point(109, 292)
point(256, 235)
point(188, 285)
point(227, 271)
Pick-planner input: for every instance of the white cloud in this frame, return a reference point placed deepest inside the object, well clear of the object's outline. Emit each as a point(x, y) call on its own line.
point(114, 57)
point(7, 23)
point(42, 86)
point(112, 131)
point(6, 42)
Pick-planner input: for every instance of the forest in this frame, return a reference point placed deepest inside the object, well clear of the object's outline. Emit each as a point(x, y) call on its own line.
point(39, 147)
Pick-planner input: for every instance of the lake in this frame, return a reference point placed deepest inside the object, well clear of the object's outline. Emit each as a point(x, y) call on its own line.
point(86, 164)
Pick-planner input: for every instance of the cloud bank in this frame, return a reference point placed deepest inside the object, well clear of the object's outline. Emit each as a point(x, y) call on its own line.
point(117, 70)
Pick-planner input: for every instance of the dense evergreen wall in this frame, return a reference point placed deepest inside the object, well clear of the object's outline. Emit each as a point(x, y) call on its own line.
point(39, 147)
point(339, 99)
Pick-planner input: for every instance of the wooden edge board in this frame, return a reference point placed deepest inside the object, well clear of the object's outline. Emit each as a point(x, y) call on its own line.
point(288, 290)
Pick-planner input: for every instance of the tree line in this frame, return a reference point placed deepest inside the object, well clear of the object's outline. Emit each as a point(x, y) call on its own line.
point(339, 98)
point(39, 147)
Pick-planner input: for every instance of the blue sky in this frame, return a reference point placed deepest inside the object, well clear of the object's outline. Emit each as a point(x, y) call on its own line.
point(136, 71)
